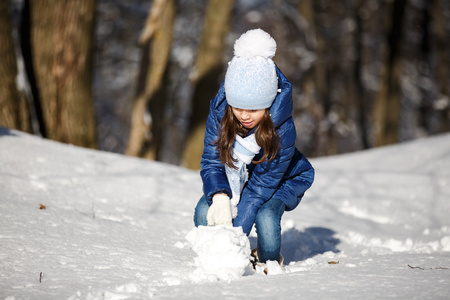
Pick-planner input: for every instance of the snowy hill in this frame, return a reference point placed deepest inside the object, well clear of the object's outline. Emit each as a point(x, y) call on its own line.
point(374, 225)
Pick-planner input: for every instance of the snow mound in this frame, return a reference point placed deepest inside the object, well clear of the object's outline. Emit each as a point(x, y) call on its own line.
point(114, 227)
point(223, 252)
point(255, 42)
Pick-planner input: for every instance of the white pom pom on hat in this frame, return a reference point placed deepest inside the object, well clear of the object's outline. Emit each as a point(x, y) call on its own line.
point(255, 42)
point(251, 81)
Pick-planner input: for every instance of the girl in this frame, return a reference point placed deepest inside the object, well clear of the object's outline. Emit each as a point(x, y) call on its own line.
point(251, 171)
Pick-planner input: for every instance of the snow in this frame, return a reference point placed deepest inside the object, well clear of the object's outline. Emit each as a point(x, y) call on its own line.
point(223, 252)
point(374, 225)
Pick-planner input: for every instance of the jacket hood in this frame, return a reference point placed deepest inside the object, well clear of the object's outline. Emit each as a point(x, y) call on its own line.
point(281, 109)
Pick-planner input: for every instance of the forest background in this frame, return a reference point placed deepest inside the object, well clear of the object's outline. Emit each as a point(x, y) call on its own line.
point(136, 77)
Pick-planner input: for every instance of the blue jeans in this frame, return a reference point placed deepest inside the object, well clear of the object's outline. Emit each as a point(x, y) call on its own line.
point(267, 224)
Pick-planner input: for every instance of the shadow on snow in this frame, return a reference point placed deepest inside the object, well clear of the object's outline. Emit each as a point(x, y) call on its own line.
point(5, 131)
point(300, 245)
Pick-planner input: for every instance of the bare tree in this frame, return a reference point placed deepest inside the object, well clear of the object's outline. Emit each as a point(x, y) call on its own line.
point(13, 105)
point(360, 96)
point(387, 106)
point(208, 68)
point(315, 82)
point(441, 45)
point(147, 118)
point(61, 35)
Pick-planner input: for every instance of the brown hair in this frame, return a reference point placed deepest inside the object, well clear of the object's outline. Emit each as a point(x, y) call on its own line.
point(265, 134)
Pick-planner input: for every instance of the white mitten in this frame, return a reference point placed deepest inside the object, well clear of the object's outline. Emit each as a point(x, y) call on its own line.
point(219, 212)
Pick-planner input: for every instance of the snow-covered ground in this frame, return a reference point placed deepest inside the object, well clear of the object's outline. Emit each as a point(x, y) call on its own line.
point(374, 225)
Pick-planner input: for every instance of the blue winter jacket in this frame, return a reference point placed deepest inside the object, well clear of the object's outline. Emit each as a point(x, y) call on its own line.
point(286, 177)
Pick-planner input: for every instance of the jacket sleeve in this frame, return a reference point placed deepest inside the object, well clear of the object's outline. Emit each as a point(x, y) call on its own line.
point(299, 178)
point(212, 169)
point(266, 179)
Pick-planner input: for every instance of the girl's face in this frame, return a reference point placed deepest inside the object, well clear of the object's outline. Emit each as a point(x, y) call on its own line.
point(249, 118)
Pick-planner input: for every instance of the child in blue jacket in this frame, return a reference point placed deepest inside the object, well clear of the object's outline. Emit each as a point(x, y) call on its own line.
point(251, 171)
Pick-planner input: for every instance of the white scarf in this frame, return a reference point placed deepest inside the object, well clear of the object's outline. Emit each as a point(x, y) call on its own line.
point(244, 149)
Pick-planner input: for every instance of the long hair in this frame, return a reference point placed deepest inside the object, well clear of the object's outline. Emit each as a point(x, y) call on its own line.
point(265, 134)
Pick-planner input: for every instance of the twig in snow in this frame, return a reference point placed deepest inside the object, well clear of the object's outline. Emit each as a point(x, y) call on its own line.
point(415, 267)
point(40, 277)
point(437, 268)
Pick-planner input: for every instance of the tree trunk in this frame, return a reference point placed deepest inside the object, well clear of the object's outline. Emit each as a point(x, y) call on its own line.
point(156, 39)
point(209, 67)
point(14, 112)
point(442, 48)
point(313, 80)
point(357, 75)
point(387, 106)
point(62, 52)
point(322, 73)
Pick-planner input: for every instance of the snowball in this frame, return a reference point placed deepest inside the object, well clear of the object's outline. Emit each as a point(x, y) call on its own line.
point(223, 252)
point(255, 42)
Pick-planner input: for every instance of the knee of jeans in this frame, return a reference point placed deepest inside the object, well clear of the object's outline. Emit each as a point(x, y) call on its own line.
point(200, 213)
point(267, 220)
point(268, 217)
